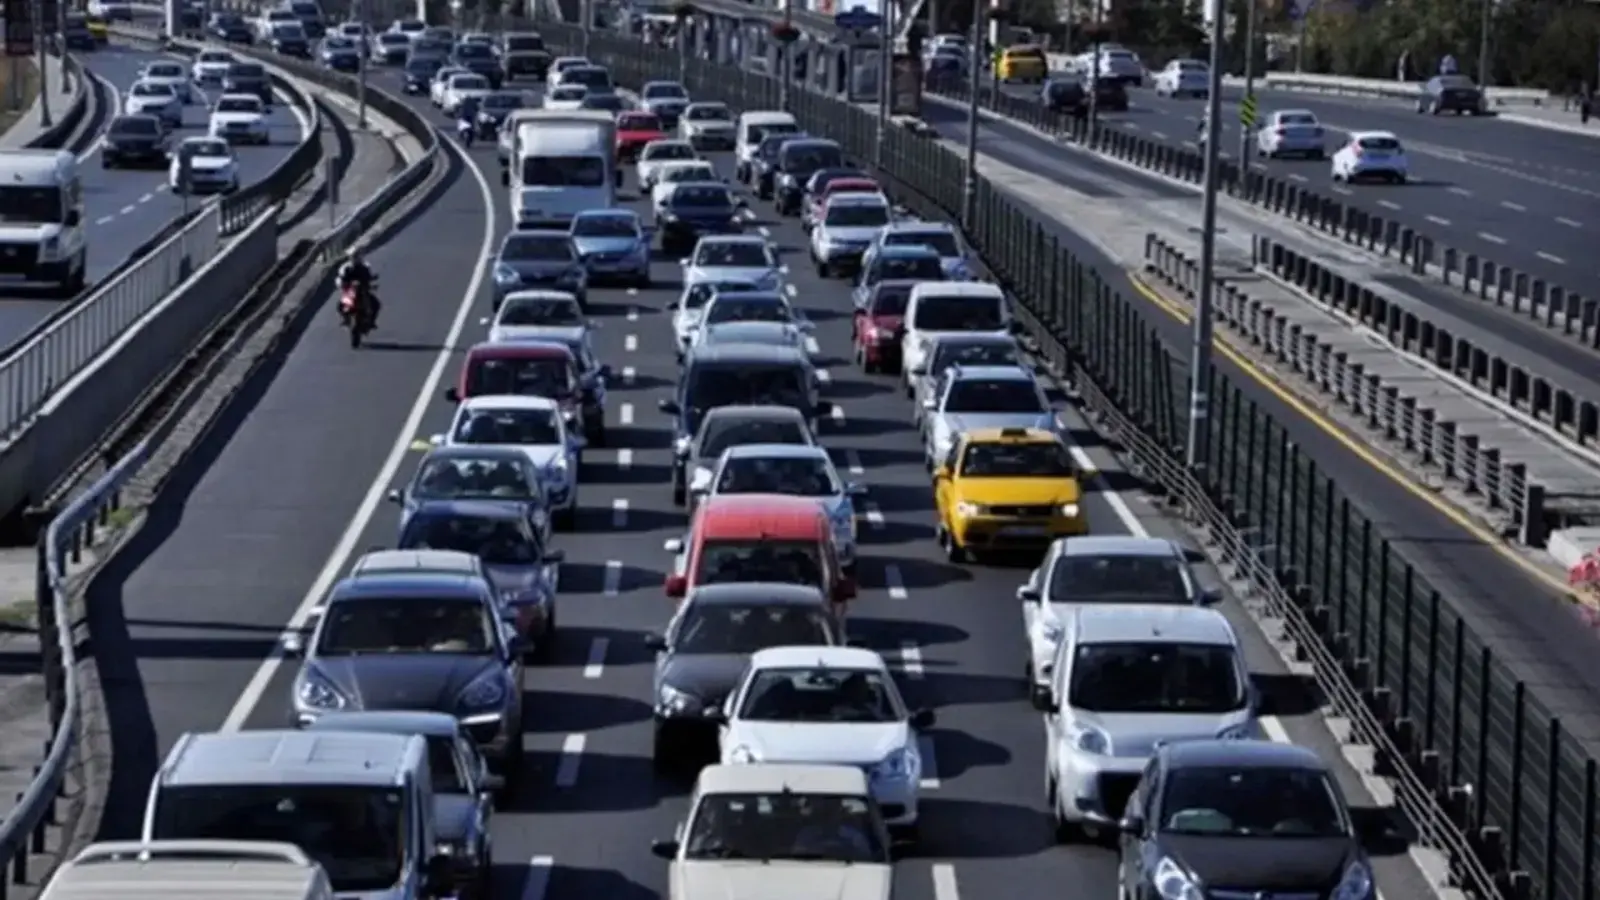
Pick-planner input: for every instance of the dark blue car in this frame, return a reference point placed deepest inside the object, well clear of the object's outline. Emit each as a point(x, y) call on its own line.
point(695, 209)
point(481, 473)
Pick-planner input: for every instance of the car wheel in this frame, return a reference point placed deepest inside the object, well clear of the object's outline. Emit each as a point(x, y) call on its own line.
point(953, 551)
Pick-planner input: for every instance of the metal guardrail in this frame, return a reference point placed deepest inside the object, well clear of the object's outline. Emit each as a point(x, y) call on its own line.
point(1449, 446)
point(66, 125)
point(1482, 767)
point(1393, 90)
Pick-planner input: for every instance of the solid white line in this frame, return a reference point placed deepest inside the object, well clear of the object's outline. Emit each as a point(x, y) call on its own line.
point(625, 414)
point(624, 458)
point(596, 664)
point(253, 690)
point(911, 660)
point(613, 578)
point(930, 762)
point(893, 582)
point(619, 513)
point(571, 756)
point(944, 882)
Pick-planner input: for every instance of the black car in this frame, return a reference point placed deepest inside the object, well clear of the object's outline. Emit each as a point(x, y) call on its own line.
point(1451, 93)
point(420, 71)
point(1240, 818)
point(76, 35)
point(287, 40)
point(731, 426)
point(539, 258)
point(944, 72)
point(524, 55)
point(798, 160)
point(230, 27)
point(1111, 94)
point(693, 210)
point(479, 59)
point(701, 658)
point(1065, 95)
point(609, 102)
point(248, 78)
point(764, 164)
point(135, 141)
point(495, 108)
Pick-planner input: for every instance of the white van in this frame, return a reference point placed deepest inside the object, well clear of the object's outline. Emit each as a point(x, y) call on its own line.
point(506, 140)
point(753, 126)
point(42, 235)
point(949, 307)
point(564, 163)
point(360, 804)
point(190, 870)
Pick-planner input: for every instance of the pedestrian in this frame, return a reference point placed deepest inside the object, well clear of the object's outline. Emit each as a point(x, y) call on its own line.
point(1585, 104)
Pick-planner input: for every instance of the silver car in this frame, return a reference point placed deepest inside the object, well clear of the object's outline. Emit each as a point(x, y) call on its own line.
point(690, 308)
point(658, 154)
point(977, 349)
point(846, 227)
point(1292, 132)
point(968, 398)
point(776, 334)
point(735, 257)
point(729, 426)
point(708, 125)
point(793, 469)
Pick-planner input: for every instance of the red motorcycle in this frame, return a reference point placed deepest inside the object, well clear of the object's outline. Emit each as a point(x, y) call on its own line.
point(355, 311)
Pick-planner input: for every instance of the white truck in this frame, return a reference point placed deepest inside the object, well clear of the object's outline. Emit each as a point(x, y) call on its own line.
point(562, 163)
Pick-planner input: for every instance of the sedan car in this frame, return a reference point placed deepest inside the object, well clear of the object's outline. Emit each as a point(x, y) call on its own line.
point(1292, 132)
point(479, 473)
point(479, 59)
point(655, 154)
point(634, 131)
point(748, 258)
point(1452, 93)
point(240, 118)
point(667, 99)
point(824, 183)
point(1065, 94)
point(1371, 156)
point(688, 310)
point(157, 99)
point(211, 66)
point(968, 398)
point(539, 258)
point(419, 74)
point(670, 174)
point(565, 97)
point(534, 426)
point(203, 165)
point(708, 126)
point(441, 83)
point(875, 326)
point(462, 87)
point(230, 28)
point(495, 108)
point(135, 141)
point(772, 718)
point(614, 245)
point(749, 308)
point(531, 314)
point(249, 78)
point(1183, 78)
point(796, 470)
point(722, 427)
point(341, 54)
point(389, 49)
point(771, 334)
point(944, 239)
point(693, 210)
point(173, 75)
point(977, 348)
point(846, 226)
point(524, 55)
point(415, 642)
point(289, 39)
point(707, 646)
point(901, 263)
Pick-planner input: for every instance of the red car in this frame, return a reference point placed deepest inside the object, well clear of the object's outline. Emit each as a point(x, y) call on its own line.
point(532, 370)
point(876, 329)
point(634, 130)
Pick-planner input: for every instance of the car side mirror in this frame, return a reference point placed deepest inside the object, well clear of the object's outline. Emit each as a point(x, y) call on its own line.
point(73, 219)
point(930, 404)
point(1016, 327)
point(664, 849)
point(1029, 594)
point(701, 482)
point(670, 407)
point(1132, 825)
point(1210, 597)
point(919, 371)
point(1193, 556)
point(924, 718)
point(655, 642)
point(1260, 703)
point(292, 644)
point(683, 263)
point(677, 586)
point(396, 497)
point(717, 715)
point(451, 395)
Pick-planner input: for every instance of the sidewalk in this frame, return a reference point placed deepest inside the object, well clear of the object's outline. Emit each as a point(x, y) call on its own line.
point(1553, 118)
point(29, 126)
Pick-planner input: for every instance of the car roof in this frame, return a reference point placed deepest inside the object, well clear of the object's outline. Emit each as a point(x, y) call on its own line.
point(482, 509)
point(518, 350)
point(739, 352)
point(972, 337)
point(1119, 545)
point(747, 331)
point(818, 655)
point(1151, 623)
point(873, 197)
point(424, 560)
point(919, 226)
point(731, 238)
point(752, 411)
point(1012, 436)
point(770, 516)
point(781, 779)
point(546, 294)
point(388, 721)
point(534, 232)
point(1212, 753)
point(509, 401)
point(907, 250)
point(991, 373)
point(273, 756)
point(970, 289)
point(475, 451)
point(775, 451)
point(440, 585)
point(744, 593)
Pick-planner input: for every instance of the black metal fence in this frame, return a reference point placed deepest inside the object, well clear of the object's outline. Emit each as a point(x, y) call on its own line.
point(1481, 767)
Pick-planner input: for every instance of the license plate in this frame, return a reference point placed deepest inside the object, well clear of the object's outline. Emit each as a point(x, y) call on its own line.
point(1025, 531)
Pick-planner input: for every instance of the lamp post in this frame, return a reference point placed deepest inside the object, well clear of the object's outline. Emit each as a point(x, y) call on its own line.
point(680, 15)
point(785, 34)
point(1096, 34)
point(1483, 45)
point(969, 185)
point(1245, 132)
point(1197, 449)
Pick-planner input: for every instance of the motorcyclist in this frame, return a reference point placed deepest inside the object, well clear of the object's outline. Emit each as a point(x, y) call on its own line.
point(467, 119)
point(355, 273)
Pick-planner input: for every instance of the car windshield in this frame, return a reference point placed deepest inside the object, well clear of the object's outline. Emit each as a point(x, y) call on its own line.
point(165, 70)
point(956, 313)
point(605, 226)
point(22, 203)
point(890, 299)
point(664, 150)
point(238, 104)
point(474, 50)
point(941, 242)
point(1156, 677)
point(469, 83)
point(1032, 459)
point(724, 628)
point(664, 91)
point(787, 826)
point(805, 157)
point(772, 144)
point(425, 67)
point(468, 478)
point(140, 127)
point(246, 70)
point(799, 476)
point(700, 293)
point(819, 695)
point(702, 195)
point(144, 89)
point(357, 834)
point(549, 311)
point(496, 541)
point(725, 431)
point(734, 308)
point(539, 376)
point(957, 353)
point(569, 92)
point(734, 254)
point(338, 43)
point(744, 384)
point(524, 43)
point(607, 102)
point(216, 56)
point(514, 427)
point(502, 101)
point(1124, 578)
point(993, 395)
point(708, 112)
point(1456, 83)
point(563, 171)
point(538, 248)
point(857, 215)
point(389, 624)
point(393, 40)
point(687, 173)
point(901, 267)
point(203, 148)
point(1380, 144)
point(1296, 118)
point(759, 133)
point(1251, 801)
point(592, 77)
point(743, 561)
point(638, 122)
point(445, 769)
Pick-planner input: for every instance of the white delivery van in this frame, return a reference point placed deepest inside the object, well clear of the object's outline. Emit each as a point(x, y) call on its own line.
point(42, 235)
point(360, 804)
point(190, 870)
point(506, 141)
point(937, 308)
point(753, 126)
point(564, 163)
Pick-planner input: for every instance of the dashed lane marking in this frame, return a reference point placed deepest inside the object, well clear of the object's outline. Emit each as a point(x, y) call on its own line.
point(625, 458)
point(537, 882)
point(1389, 204)
point(852, 462)
point(630, 343)
point(629, 373)
point(596, 664)
point(1515, 207)
point(1491, 238)
point(1439, 220)
point(1552, 258)
point(930, 764)
point(873, 514)
point(911, 661)
point(1570, 223)
point(893, 583)
point(612, 585)
point(625, 414)
point(571, 758)
point(619, 513)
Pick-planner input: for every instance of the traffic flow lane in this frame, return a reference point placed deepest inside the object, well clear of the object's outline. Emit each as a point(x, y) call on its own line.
point(201, 595)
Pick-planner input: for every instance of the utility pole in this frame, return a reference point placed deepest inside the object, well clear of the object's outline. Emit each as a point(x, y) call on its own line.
point(42, 42)
point(969, 187)
point(1483, 45)
point(886, 42)
point(361, 68)
point(1200, 355)
point(1093, 87)
point(1249, 78)
point(586, 9)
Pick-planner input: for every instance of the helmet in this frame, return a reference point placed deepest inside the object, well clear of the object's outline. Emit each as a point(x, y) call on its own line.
point(353, 256)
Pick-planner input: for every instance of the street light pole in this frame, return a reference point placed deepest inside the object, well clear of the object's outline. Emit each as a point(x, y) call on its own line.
point(1483, 46)
point(886, 41)
point(969, 184)
point(1200, 356)
point(40, 41)
point(361, 70)
point(1249, 74)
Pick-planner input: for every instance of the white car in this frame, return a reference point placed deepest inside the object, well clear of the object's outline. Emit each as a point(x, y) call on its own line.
point(154, 98)
point(708, 125)
point(561, 64)
point(411, 28)
point(533, 425)
point(1371, 155)
point(211, 66)
point(735, 257)
point(441, 83)
point(461, 88)
point(525, 315)
point(772, 718)
point(771, 334)
point(671, 174)
point(657, 154)
point(212, 168)
point(566, 97)
point(846, 226)
point(690, 308)
point(170, 73)
point(1184, 78)
point(273, 19)
point(241, 118)
point(1292, 132)
point(751, 308)
point(795, 470)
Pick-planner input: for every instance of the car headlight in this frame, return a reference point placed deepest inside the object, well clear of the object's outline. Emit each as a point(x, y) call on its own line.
point(671, 700)
point(1356, 883)
point(1173, 883)
point(1069, 510)
point(1091, 740)
point(681, 445)
point(904, 763)
point(486, 692)
point(316, 693)
point(504, 274)
point(744, 754)
point(965, 509)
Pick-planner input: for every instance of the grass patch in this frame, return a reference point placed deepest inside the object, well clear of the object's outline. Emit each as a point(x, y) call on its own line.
point(30, 90)
point(121, 518)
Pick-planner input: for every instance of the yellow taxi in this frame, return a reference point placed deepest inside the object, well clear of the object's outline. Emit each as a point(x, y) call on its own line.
point(99, 29)
point(1008, 489)
point(1024, 62)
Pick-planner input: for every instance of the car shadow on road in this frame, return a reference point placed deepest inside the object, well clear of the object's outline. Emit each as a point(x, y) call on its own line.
point(979, 829)
point(576, 643)
point(566, 712)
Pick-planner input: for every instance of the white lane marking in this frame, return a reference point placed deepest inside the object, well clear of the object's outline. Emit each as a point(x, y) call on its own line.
point(1461, 192)
point(629, 373)
point(1570, 223)
point(1388, 204)
point(257, 686)
point(624, 458)
point(893, 582)
point(1517, 207)
point(613, 578)
point(1491, 238)
point(1341, 190)
point(944, 882)
point(783, 269)
point(633, 311)
point(852, 461)
point(147, 198)
point(1439, 220)
point(633, 314)
point(625, 414)
point(537, 882)
point(1296, 177)
point(812, 347)
point(791, 290)
point(930, 764)
point(911, 660)
point(571, 757)
point(630, 343)
point(1551, 257)
point(1158, 135)
point(596, 664)
point(823, 378)
point(838, 414)
point(619, 513)
point(873, 514)
point(127, 209)
point(765, 231)
point(102, 220)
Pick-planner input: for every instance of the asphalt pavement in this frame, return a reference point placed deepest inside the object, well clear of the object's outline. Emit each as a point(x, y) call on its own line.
point(284, 492)
point(126, 207)
point(1521, 196)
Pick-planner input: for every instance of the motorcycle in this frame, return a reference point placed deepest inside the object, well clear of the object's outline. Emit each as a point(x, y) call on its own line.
point(356, 315)
point(466, 130)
